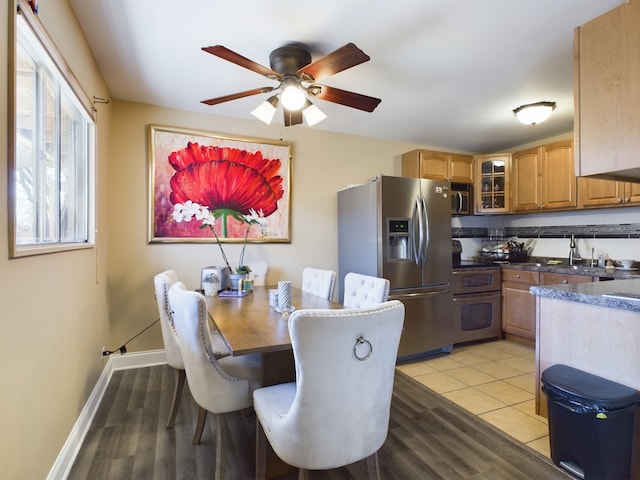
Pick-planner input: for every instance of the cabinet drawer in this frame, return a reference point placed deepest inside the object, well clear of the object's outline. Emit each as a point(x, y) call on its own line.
point(559, 278)
point(522, 276)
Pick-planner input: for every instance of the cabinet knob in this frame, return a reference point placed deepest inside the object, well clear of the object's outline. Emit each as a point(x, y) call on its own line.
point(518, 276)
point(626, 199)
point(565, 281)
point(619, 200)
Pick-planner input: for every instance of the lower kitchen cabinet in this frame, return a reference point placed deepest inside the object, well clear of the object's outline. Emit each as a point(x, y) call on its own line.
point(519, 305)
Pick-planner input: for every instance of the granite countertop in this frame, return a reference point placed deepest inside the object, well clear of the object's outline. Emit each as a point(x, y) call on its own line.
point(609, 281)
point(601, 272)
point(539, 264)
point(593, 293)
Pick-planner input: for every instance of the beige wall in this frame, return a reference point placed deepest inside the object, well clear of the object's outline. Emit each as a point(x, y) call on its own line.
point(322, 164)
point(54, 316)
point(59, 310)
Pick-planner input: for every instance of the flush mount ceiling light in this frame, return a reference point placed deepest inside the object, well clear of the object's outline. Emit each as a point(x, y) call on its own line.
point(297, 75)
point(534, 113)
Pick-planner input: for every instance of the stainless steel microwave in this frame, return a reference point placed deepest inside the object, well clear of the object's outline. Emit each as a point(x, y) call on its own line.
point(461, 199)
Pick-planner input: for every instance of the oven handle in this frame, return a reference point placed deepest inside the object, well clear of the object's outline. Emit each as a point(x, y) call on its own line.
point(400, 296)
point(471, 296)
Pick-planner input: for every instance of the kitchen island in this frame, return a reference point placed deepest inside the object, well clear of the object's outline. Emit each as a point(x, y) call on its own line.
point(589, 326)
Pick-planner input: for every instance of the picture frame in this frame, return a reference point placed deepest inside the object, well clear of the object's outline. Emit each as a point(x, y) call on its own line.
point(241, 184)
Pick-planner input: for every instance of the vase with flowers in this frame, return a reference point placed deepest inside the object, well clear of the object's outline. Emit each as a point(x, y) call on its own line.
point(185, 212)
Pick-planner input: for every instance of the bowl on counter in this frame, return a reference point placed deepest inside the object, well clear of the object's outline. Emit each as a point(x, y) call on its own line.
point(626, 263)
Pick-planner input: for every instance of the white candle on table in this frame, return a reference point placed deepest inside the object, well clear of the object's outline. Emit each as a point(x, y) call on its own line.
point(284, 295)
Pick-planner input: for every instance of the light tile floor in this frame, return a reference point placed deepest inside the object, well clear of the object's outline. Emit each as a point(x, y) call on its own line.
point(493, 380)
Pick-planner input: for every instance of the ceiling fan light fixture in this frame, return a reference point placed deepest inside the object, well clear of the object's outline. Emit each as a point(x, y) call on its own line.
point(293, 97)
point(534, 113)
point(312, 114)
point(266, 110)
point(293, 67)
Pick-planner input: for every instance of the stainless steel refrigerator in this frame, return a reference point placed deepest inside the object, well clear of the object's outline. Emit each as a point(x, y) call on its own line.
point(400, 229)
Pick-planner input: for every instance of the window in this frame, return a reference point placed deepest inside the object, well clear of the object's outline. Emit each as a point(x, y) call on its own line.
point(51, 188)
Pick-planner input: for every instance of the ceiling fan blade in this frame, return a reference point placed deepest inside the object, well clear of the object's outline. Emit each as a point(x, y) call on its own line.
point(345, 57)
point(233, 57)
point(343, 97)
point(235, 96)
point(292, 117)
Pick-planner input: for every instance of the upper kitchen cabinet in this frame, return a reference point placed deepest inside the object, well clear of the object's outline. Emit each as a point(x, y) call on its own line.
point(607, 94)
point(452, 167)
point(526, 178)
point(542, 178)
point(492, 183)
point(595, 192)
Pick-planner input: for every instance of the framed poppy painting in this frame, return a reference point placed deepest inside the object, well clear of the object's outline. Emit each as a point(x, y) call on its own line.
point(206, 186)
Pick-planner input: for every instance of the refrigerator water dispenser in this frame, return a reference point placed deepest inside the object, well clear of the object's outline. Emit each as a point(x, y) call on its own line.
point(398, 239)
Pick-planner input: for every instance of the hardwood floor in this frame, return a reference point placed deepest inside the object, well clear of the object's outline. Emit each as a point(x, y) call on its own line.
point(430, 437)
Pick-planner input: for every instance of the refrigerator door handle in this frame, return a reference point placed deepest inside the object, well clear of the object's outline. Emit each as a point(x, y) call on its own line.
point(418, 228)
point(425, 243)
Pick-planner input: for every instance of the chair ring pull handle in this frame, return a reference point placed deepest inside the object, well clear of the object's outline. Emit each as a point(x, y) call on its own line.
point(359, 341)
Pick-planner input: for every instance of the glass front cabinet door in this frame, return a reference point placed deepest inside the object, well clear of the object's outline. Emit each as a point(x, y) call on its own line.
point(492, 183)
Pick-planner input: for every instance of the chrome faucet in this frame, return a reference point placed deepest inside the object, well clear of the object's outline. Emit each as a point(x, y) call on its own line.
point(573, 250)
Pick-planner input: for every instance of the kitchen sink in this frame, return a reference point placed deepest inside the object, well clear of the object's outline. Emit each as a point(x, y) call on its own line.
point(584, 267)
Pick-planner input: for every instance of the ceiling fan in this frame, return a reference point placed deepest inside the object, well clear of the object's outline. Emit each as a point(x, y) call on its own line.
point(292, 67)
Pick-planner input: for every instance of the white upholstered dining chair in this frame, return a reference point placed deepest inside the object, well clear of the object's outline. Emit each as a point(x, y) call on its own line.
point(364, 290)
point(318, 282)
point(337, 411)
point(162, 283)
point(220, 385)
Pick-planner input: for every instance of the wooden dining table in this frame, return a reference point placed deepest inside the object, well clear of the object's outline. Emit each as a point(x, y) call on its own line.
point(250, 325)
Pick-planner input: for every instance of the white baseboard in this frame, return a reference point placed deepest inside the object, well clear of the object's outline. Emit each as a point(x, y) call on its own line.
point(66, 457)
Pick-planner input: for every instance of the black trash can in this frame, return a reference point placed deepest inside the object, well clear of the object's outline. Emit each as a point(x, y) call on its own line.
point(591, 423)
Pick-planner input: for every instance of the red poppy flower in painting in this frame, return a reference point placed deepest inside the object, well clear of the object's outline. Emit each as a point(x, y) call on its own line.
point(226, 179)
